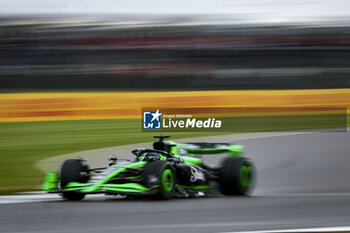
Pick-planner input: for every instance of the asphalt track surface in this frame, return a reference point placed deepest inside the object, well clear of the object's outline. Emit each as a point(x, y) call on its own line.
point(303, 181)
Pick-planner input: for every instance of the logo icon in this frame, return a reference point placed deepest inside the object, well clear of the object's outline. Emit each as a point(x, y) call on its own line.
point(151, 120)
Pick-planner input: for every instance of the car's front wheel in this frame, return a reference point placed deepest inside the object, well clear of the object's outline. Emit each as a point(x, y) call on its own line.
point(73, 170)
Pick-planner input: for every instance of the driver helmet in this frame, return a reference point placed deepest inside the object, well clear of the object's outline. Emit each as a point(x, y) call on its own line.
point(150, 156)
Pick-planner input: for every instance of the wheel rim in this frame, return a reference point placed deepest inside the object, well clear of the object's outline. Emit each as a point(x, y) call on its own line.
point(245, 175)
point(167, 180)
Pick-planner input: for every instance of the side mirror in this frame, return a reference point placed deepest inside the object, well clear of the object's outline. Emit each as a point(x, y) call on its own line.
point(113, 160)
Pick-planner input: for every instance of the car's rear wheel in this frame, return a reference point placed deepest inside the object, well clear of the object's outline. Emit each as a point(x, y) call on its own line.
point(73, 170)
point(236, 176)
point(162, 174)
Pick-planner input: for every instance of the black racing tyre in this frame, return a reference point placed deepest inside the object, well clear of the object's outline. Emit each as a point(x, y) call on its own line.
point(73, 170)
point(236, 176)
point(160, 173)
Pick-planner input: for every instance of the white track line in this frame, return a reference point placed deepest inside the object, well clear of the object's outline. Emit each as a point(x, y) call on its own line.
point(27, 198)
point(320, 229)
point(39, 197)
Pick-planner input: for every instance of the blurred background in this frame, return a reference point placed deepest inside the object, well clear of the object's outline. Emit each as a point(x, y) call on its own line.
point(177, 53)
point(74, 75)
point(175, 46)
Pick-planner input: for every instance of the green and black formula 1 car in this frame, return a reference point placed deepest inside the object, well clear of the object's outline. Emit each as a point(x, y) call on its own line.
point(169, 169)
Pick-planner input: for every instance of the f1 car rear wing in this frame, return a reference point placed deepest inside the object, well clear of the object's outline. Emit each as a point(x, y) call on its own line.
point(192, 148)
point(210, 148)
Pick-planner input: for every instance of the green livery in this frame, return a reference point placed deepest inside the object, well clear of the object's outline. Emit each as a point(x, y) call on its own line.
point(168, 170)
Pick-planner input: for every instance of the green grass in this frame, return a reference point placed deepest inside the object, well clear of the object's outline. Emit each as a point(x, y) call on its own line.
point(270, 123)
point(23, 144)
